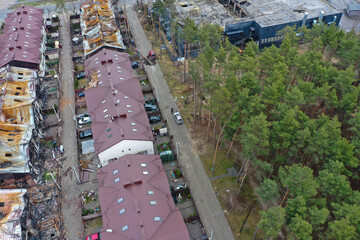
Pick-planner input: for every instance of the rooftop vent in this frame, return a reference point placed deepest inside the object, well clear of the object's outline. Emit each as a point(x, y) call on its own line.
point(127, 183)
point(137, 181)
point(128, 162)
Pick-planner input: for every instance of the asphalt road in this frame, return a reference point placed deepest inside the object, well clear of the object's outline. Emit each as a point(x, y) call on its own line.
point(211, 214)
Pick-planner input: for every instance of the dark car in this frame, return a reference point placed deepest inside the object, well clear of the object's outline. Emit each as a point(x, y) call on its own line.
point(81, 94)
point(135, 65)
point(85, 134)
point(80, 75)
point(154, 119)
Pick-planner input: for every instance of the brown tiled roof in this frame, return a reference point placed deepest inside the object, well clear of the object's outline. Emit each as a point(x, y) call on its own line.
point(22, 36)
point(136, 203)
point(116, 102)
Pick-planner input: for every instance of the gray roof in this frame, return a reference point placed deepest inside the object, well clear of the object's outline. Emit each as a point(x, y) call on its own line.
point(274, 12)
point(354, 6)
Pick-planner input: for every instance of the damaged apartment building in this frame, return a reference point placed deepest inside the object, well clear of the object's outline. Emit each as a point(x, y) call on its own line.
point(22, 63)
point(134, 192)
point(98, 27)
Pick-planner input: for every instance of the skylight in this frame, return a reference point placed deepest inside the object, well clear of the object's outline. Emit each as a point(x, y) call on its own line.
point(105, 111)
point(145, 172)
point(143, 165)
point(103, 102)
point(120, 200)
point(126, 97)
point(110, 136)
point(124, 228)
point(117, 180)
point(134, 130)
point(157, 219)
point(150, 192)
point(152, 202)
point(122, 211)
point(128, 106)
point(132, 124)
point(129, 111)
point(116, 171)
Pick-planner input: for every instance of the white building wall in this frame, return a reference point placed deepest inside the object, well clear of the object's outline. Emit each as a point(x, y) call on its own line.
point(126, 147)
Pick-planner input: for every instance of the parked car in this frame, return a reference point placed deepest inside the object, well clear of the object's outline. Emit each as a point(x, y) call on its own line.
point(150, 107)
point(80, 75)
point(85, 134)
point(95, 236)
point(178, 118)
point(84, 120)
point(154, 119)
point(81, 94)
point(135, 65)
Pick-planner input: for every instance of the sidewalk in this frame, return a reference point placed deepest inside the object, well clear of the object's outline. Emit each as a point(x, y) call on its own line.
point(211, 214)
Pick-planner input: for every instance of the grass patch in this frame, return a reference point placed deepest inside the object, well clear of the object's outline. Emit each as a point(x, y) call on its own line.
point(52, 72)
point(94, 223)
point(236, 206)
point(33, 4)
point(82, 83)
point(221, 164)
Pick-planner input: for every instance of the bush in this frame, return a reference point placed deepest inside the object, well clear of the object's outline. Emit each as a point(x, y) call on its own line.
point(76, 68)
point(76, 83)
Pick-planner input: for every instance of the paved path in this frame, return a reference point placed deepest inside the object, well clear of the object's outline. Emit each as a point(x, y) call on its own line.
point(71, 208)
point(231, 172)
point(211, 214)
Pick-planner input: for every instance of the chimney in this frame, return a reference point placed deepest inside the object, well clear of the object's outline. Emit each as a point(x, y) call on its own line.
point(103, 62)
point(137, 181)
point(304, 19)
point(110, 61)
point(321, 16)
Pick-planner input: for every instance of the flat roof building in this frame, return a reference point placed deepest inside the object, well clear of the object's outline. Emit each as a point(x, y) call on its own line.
point(115, 102)
point(136, 202)
point(263, 19)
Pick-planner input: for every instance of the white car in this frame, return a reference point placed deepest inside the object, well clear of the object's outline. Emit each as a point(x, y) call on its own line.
point(178, 118)
point(84, 120)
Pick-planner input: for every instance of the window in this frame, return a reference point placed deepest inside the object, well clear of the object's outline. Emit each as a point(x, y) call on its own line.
point(150, 192)
point(116, 171)
point(152, 202)
point(122, 211)
point(120, 200)
point(145, 172)
point(124, 228)
point(117, 180)
point(143, 165)
point(157, 219)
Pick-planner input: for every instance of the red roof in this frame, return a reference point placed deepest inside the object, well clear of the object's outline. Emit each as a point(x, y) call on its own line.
point(21, 40)
point(136, 203)
point(116, 104)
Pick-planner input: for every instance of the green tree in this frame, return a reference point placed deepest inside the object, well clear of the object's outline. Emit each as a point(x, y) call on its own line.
point(272, 221)
point(300, 228)
point(268, 191)
point(299, 180)
point(341, 230)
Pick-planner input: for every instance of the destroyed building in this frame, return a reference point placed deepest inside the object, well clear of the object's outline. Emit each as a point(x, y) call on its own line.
point(21, 64)
point(115, 103)
point(99, 27)
point(11, 207)
point(135, 201)
point(264, 19)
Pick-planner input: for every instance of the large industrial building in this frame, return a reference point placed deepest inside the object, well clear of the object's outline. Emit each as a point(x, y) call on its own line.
point(265, 18)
